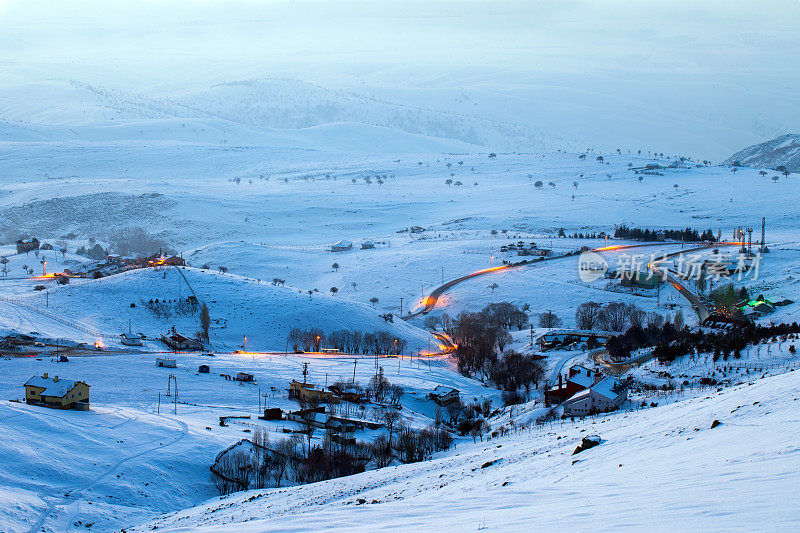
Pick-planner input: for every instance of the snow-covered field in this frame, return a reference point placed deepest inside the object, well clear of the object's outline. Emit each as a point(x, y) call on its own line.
point(248, 138)
point(662, 468)
point(281, 226)
point(123, 461)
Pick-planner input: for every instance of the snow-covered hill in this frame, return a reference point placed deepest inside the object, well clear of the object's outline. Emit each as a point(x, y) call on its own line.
point(341, 137)
point(238, 306)
point(127, 460)
point(662, 466)
point(784, 150)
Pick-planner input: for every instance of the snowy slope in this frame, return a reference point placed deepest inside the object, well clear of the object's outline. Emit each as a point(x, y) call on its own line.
point(330, 137)
point(123, 462)
point(238, 307)
point(783, 150)
point(662, 466)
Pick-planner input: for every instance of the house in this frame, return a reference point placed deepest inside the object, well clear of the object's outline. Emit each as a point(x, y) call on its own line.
point(46, 246)
point(305, 392)
point(318, 418)
point(442, 395)
point(57, 393)
point(176, 341)
point(342, 246)
point(162, 260)
point(166, 363)
point(24, 247)
point(314, 416)
point(642, 279)
point(566, 337)
point(244, 377)
point(416, 229)
point(367, 245)
point(131, 339)
point(174, 261)
point(272, 413)
point(204, 369)
point(349, 394)
point(579, 378)
point(606, 395)
point(757, 308)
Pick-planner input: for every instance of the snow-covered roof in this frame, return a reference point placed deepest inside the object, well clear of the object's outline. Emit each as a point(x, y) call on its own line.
point(582, 379)
point(578, 396)
point(442, 390)
point(342, 244)
point(51, 387)
point(607, 387)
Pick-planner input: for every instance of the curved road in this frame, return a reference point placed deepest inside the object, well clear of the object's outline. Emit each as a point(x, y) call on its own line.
point(698, 306)
point(429, 303)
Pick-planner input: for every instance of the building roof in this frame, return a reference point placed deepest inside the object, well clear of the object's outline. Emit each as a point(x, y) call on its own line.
point(582, 379)
point(442, 390)
point(578, 396)
point(59, 388)
point(342, 244)
point(608, 387)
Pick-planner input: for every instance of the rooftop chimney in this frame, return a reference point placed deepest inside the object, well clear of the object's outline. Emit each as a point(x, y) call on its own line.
point(55, 379)
point(44, 375)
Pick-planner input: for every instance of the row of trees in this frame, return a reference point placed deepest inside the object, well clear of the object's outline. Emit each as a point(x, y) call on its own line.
point(671, 340)
point(615, 316)
point(136, 241)
point(347, 341)
point(256, 463)
point(178, 306)
point(646, 234)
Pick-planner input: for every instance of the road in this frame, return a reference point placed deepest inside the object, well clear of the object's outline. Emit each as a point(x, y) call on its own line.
point(698, 306)
point(430, 302)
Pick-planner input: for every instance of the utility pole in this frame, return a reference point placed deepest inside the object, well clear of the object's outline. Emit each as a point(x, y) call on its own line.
point(401, 306)
point(355, 363)
point(305, 371)
point(442, 275)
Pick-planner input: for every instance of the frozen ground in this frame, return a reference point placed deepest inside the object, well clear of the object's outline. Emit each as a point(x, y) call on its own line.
point(263, 153)
point(122, 462)
point(661, 465)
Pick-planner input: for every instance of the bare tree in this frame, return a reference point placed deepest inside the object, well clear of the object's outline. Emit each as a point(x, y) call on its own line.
point(549, 320)
point(678, 321)
point(587, 315)
point(390, 418)
point(613, 316)
point(205, 321)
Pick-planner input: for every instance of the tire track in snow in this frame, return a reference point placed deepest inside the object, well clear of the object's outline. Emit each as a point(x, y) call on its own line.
point(69, 493)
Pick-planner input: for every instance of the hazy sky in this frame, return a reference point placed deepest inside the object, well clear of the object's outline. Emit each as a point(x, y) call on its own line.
point(707, 74)
point(158, 36)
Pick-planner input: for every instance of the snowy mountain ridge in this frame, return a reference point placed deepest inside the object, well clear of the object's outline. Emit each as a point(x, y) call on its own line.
point(783, 150)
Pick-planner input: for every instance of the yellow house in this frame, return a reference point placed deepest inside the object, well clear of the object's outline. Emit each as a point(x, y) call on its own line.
point(57, 393)
point(306, 392)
